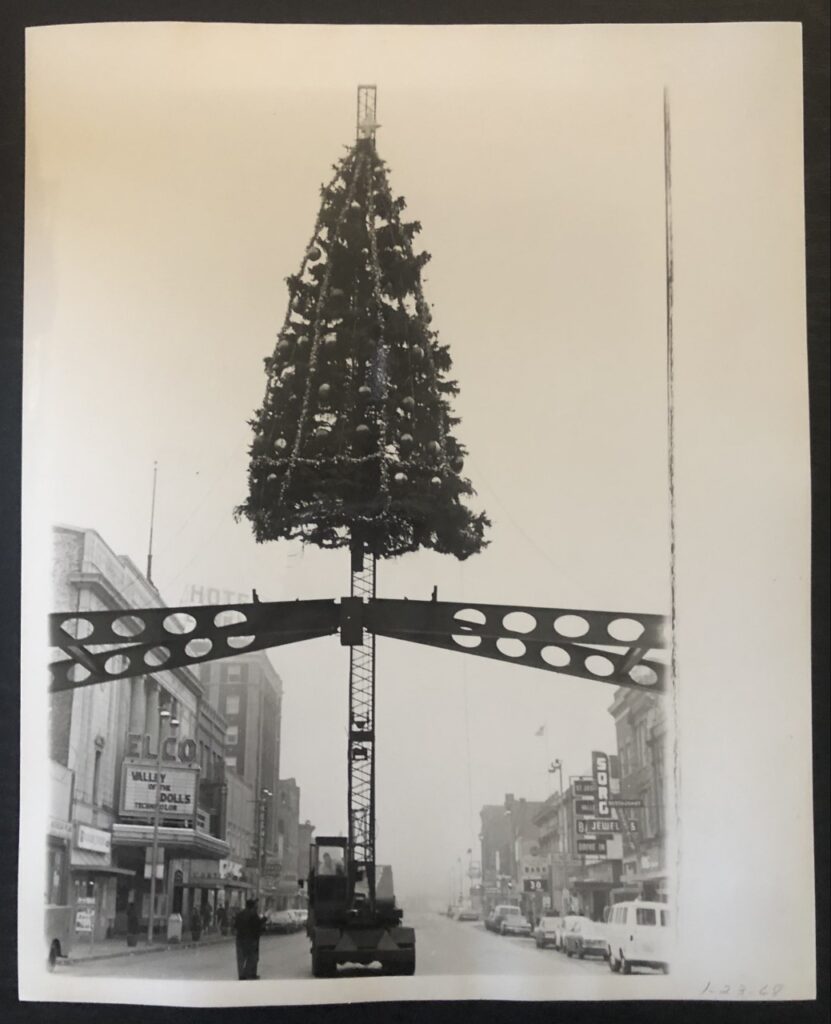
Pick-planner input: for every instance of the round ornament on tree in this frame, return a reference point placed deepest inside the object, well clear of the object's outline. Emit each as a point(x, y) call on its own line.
point(408, 404)
point(400, 479)
point(324, 393)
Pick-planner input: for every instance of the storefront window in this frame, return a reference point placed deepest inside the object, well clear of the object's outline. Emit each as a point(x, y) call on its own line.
point(56, 867)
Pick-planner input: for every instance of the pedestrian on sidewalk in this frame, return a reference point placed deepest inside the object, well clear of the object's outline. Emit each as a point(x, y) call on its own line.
point(196, 924)
point(132, 925)
point(248, 928)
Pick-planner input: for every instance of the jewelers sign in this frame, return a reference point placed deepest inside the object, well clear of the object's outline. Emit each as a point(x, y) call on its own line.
point(174, 787)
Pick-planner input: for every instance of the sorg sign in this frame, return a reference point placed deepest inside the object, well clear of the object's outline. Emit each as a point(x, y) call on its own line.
point(600, 771)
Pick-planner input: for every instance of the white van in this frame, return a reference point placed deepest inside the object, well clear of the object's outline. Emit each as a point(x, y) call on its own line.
point(639, 934)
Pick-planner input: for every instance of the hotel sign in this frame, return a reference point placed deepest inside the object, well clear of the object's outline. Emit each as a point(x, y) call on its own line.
point(173, 787)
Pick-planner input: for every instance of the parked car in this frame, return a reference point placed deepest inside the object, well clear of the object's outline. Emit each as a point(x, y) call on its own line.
point(466, 912)
point(301, 916)
point(280, 921)
point(508, 920)
point(545, 934)
point(494, 918)
point(639, 934)
point(565, 925)
point(585, 938)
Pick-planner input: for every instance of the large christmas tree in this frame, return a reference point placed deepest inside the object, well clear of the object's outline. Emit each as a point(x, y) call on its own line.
point(354, 442)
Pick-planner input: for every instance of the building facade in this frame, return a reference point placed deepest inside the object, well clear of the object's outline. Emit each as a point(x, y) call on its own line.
point(510, 853)
point(641, 725)
point(129, 745)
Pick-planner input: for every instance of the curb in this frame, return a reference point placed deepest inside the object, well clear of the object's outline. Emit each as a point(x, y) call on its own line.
point(143, 950)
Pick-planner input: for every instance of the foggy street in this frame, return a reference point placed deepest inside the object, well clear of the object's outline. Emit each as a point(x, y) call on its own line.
point(443, 946)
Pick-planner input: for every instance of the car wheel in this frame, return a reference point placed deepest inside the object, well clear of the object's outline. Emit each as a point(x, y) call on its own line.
point(502, 930)
point(625, 966)
point(54, 953)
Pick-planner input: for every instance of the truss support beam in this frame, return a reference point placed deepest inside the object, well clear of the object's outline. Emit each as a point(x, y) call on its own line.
point(572, 642)
point(104, 646)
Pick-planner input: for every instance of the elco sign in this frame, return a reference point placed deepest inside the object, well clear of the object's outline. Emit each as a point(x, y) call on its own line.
point(173, 749)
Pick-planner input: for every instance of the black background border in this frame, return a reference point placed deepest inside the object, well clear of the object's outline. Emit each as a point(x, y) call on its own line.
point(15, 17)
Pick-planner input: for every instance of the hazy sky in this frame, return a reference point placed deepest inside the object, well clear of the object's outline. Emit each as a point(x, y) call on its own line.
point(173, 178)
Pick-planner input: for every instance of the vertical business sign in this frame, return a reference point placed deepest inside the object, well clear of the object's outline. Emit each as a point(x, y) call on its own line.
point(600, 773)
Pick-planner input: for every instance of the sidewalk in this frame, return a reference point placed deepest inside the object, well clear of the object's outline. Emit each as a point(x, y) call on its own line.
point(109, 948)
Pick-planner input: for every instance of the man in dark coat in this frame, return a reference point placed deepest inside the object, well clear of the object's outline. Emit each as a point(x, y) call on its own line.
point(248, 928)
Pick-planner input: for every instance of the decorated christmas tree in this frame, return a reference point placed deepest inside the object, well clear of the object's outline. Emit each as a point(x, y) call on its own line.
point(354, 442)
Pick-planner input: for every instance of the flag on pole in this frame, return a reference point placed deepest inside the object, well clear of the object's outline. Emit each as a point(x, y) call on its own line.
point(540, 731)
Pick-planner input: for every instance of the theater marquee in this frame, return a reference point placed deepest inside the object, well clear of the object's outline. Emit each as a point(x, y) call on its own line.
point(142, 784)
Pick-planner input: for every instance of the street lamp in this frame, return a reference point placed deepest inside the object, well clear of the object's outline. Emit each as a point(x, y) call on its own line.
point(164, 714)
point(557, 767)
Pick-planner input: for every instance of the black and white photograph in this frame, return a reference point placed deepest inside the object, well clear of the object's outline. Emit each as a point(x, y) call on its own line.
point(416, 492)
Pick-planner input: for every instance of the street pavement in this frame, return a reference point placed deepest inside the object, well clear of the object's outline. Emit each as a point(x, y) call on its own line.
point(443, 946)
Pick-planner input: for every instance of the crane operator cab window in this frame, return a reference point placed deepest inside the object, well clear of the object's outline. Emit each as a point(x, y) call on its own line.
point(328, 879)
point(329, 861)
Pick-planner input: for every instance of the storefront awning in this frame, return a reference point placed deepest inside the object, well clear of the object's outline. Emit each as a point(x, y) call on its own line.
point(218, 883)
point(88, 860)
point(177, 842)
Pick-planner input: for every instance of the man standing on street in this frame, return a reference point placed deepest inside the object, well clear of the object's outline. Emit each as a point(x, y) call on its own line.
point(248, 927)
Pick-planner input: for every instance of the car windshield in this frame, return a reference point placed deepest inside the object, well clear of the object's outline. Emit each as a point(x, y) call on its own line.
point(510, 910)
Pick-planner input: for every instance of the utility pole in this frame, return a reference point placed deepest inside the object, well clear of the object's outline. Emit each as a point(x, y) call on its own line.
point(164, 714)
point(152, 521)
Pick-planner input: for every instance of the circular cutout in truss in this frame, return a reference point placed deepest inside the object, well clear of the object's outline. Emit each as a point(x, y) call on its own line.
point(127, 625)
point(466, 640)
point(510, 647)
point(77, 673)
point(229, 617)
point(625, 630)
point(556, 657)
point(239, 642)
point(571, 625)
point(644, 675)
point(156, 656)
point(519, 622)
point(77, 628)
point(179, 622)
point(599, 665)
point(198, 648)
point(116, 664)
point(469, 617)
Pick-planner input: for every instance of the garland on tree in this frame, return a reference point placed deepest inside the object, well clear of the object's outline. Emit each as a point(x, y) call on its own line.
point(354, 439)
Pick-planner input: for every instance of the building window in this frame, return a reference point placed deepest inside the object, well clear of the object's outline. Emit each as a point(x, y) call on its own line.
point(230, 762)
point(96, 779)
point(232, 705)
point(232, 735)
point(234, 673)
